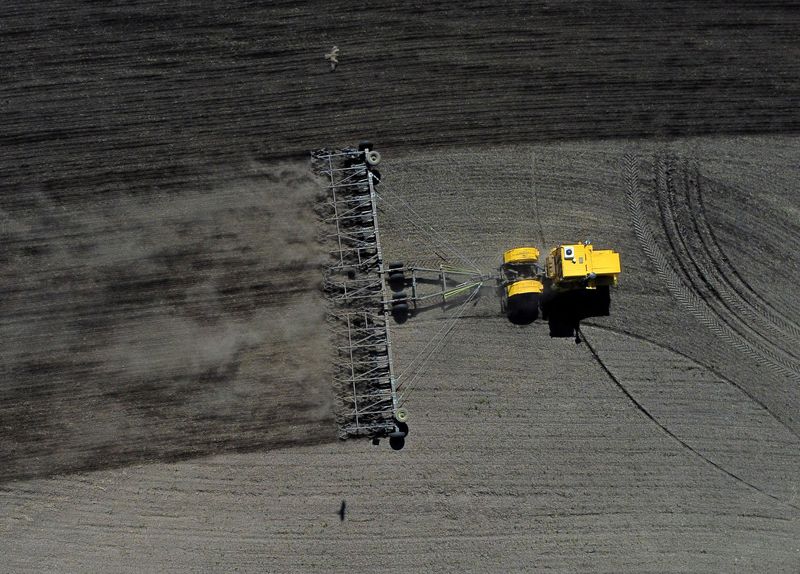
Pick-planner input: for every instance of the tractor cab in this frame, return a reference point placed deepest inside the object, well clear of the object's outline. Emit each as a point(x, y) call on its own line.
point(577, 281)
point(580, 266)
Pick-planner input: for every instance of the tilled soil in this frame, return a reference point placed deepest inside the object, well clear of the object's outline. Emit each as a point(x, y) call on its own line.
point(159, 288)
point(653, 445)
point(149, 326)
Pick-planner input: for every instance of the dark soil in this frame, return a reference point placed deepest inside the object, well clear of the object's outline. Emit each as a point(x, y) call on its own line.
point(159, 289)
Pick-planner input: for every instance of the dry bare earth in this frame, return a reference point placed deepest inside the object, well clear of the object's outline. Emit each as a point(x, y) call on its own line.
point(525, 453)
point(152, 326)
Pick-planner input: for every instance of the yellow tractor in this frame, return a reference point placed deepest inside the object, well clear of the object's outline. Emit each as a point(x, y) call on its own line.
point(574, 283)
point(364, 291)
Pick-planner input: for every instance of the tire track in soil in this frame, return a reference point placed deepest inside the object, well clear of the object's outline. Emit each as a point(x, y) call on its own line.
point(646, 413)
point(725, 268)
point(631, 173)
point(707, 271)
point(539, 226)
point(709, 368)
point(689, 298)
point(701, 275)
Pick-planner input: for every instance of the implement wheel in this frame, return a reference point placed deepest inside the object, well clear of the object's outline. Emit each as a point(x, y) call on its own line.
point(401, 416)
point(400, 307)
point(397, 281)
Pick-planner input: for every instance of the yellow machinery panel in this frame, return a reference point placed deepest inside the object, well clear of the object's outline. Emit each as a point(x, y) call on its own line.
point(605, 262)
point(521, 255)
point(525, 286)
point(569, 263)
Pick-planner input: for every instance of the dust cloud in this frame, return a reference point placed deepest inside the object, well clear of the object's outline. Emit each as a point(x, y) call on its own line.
point(155, 326)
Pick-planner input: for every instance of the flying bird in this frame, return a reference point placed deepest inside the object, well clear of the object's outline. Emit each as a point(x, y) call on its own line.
point(333, 57)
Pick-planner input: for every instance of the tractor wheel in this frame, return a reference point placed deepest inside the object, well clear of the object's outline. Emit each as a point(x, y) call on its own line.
point(372, 157)
point(523, 309)
point(364, 145)
point(397, 443)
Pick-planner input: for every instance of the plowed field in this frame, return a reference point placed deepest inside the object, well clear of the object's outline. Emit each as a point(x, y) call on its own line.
point(165, 397)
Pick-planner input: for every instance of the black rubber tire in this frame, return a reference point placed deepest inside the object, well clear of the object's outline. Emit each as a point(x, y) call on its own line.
point(397, 443)
point(396, 265)
point(400, 307)
point(366, 144)
point(396, 281)
point(523, 309)
point(400, 313)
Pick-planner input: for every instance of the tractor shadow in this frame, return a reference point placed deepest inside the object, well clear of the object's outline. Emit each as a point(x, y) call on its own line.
point(564, 311)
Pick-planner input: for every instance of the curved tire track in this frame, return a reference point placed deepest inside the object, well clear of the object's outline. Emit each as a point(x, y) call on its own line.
point(725, 268)
point(709, 368)
point(641, 408)
point(688, 297)
point(703, 274)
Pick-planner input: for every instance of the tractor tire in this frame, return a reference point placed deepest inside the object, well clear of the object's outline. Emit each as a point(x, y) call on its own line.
point(523, 309)
point(397, 443)
point(372, 158)
point(364, 145)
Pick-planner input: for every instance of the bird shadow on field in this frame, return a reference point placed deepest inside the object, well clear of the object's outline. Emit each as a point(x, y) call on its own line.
point(162, 326)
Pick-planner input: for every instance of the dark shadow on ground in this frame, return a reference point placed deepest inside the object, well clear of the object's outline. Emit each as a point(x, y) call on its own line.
point(564, 311)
